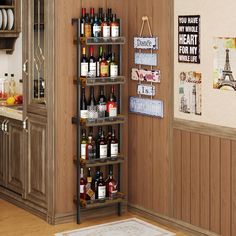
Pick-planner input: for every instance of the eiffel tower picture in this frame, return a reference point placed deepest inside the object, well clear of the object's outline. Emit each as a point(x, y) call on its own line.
point(227, 78)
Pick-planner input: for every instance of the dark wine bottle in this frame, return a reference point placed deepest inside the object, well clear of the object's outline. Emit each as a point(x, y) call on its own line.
point(84, 64)
point(82, 22)
point(92, 63)
point(101, 103)
point(83, 105)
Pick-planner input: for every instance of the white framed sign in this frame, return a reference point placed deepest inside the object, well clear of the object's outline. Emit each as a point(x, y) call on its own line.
point(147, 59)
point(146, 43)
point(153, 76)
point(144, 106)
point(146, 89)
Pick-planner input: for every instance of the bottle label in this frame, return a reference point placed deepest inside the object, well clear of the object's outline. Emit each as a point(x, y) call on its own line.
point(114, 149)
point(83, 151)
point(114, 70)
point(92, 69)
point(102, 110)
point(97, 29)
point(106, 31)
point(84, 69)
point(82, 187)
point(115, 31)
point(87, 30)
point(84, 114)
point(103, 151)
point(98, 68)
point(82, 29)
point(112, 109)
point(101, 192)
point(104, 70)
point(90, 152)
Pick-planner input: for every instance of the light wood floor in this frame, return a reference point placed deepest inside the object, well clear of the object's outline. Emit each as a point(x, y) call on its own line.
point(17, 222)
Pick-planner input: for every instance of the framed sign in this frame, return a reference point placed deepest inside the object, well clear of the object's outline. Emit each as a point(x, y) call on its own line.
point(147, 59)
point(149, 107)
point(153, 76)
point(146, 89)
point(146, 43)
point(189, 39)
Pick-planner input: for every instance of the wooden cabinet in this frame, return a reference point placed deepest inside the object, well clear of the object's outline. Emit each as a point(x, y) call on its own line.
point(15, 160)
point(2, 155)
point(11, 24)
point(37, 163)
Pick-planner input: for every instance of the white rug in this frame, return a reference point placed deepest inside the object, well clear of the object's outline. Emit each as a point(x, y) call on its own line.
point(130, 227)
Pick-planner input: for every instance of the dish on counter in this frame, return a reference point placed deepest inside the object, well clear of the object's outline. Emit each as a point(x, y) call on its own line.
point(4, 13)
point(10, 19)
point(0, 19)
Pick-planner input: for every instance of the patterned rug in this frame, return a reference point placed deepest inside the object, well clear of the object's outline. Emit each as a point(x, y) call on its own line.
point(130, 227)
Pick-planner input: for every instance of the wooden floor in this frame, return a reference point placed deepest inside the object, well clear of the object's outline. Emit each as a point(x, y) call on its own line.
point(17, 222)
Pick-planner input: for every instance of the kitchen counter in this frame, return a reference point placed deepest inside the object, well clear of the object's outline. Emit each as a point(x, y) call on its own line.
point(14, 112)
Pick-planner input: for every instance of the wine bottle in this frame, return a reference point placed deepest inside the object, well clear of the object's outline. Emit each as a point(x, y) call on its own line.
point(83, 105)
point(90, 195)
point(82, 22)
point(111, 184)
point(99, 60)
point(109, 54)
point(111, 104)
point(109, 15)
point(115, 27)
point(113, 66)
point(92, 63)
point(82, 185)
point(99, 133)
point(105, 28)
point(87, 26)
point(92, 20)
point(95, 183)
point(101, 187)
point(90, 147)
point(102, 147)
point(104, 67)
point(97, 30)
point(92, 101)
point(84, 64)
point(102, 103)
point(114, 147)
point(108, 138)
point(100, 15)
point(83, 144)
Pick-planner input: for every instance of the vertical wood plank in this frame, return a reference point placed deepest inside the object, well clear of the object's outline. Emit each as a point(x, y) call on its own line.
point(177, 177)
point(225, 187)
point(195, 179)
point(215, 184)
point(186, 182)
point(204, 182)
point(233, 191)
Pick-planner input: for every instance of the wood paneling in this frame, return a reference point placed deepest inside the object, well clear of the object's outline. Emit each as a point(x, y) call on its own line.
point(149, 137)
point(211, 178)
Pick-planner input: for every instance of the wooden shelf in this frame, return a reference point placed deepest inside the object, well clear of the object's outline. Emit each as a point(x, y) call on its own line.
point(100, 162)
point(120, 119)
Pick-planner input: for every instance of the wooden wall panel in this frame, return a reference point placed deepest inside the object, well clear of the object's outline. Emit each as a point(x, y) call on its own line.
point(151, 135)
point(212, 181)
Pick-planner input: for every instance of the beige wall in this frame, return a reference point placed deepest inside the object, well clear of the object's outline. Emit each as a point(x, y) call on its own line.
point(217, 19)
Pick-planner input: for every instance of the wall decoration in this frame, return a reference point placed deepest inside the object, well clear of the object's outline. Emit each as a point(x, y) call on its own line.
point(189, 40)
point(153, 76)
point(224, 72)
point(146, 43)
point(144, 106)
point(146, 89)
point(190, 92)
point(147, 59)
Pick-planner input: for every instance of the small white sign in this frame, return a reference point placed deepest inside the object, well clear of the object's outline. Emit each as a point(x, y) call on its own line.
point(147, 59)
point(144, 106)
point(146, 43)
point(146, 89)
point(146, 75)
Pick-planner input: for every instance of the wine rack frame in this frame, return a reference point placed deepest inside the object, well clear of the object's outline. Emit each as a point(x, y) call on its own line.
point(119, 120)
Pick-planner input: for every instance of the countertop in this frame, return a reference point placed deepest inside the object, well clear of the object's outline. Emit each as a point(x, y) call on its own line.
point(14, 112)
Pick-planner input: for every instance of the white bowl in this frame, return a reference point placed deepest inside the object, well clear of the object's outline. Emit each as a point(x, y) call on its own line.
point(10, 18)
point(4, 14)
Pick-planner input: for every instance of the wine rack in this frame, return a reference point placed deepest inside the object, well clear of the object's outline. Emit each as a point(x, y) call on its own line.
point(82, 123)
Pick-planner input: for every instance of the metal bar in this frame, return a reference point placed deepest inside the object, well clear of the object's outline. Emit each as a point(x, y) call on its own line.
point(77, 22)
point(119, 204)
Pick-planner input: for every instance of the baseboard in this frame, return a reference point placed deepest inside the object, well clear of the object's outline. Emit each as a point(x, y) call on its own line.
point(190, 230)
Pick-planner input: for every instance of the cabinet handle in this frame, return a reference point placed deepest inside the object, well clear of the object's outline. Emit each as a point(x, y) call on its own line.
point(25, 124)
point(6, 126)
point(25, 68)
